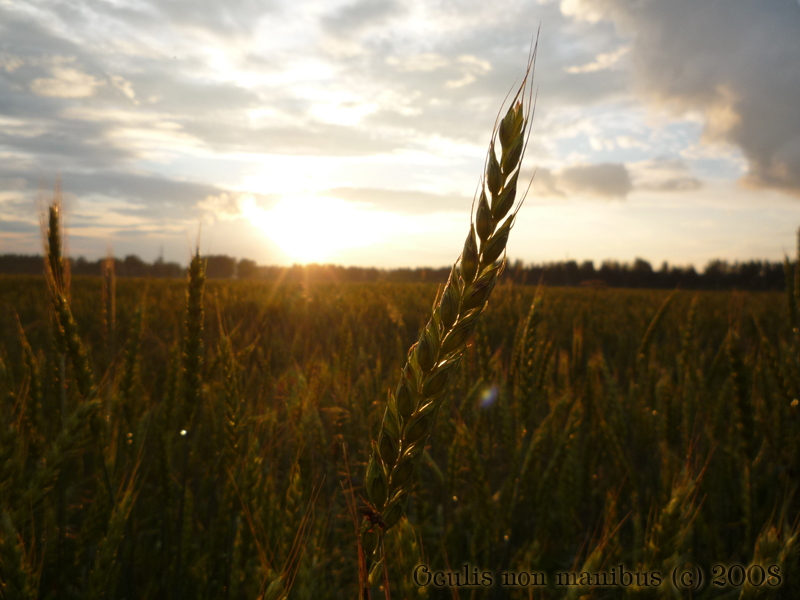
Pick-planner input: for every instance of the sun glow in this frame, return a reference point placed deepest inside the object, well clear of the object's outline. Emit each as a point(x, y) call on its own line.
point(314, 228)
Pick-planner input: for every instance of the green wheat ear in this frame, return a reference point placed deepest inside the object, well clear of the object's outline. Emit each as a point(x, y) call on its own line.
point(434, 359)
point(193, 338)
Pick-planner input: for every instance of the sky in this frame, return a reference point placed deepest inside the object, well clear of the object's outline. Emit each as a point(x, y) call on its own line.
point(355, 132)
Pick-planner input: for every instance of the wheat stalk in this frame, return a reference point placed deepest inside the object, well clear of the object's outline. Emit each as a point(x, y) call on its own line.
point(193, 338)
point(109, 304)
point(193, 367)
point(52, 227)
point(18, 579)
point(433, 360)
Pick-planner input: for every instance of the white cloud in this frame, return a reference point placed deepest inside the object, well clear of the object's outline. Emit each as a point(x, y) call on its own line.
point(368, 95)
point(425, 62)
point(734, 62)
point(124, 86)
point(607, 180)
point(10, 63)
point(66, 83)
point(603, 61)
point(663, 175)
point(603, 180)
point(472, 67)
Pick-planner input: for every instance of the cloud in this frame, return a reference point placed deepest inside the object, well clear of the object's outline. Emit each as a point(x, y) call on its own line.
point(319, 139)
point(66, 145)
point(422, 72)
point(10, 63)
point(404, 202)
point(616, 180)
point(225, 206)
point(734, 61)
point(125, 87)
point(355, 17)
point(678, 184)
point(545, 183)
point(130, 193)
point(66, 83)
point(664, 175)
point(159, 112)
point(8, 226)
point(606, 179)
point(472, 67)
point(603, 61)
point(424, 62)
point(231, 18)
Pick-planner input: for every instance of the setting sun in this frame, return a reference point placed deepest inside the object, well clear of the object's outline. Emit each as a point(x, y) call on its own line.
point(314, 228)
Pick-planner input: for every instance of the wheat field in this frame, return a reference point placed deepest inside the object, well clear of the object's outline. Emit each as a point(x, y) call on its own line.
point(581, 427)
point(165, 439)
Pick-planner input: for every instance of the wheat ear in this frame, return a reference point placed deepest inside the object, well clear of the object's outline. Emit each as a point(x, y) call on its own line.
point(193, 338)
point(433, 360)
point(109, 304)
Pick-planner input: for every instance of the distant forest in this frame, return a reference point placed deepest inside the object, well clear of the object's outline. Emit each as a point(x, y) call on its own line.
point(717, 275)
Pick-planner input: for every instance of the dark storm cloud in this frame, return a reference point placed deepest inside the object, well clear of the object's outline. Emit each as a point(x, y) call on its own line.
point(735, 60)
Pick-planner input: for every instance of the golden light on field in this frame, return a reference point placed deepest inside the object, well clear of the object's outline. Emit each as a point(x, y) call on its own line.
point(314, 228)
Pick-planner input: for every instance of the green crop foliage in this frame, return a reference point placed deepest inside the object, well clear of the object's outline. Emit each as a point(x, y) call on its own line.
point(583, 427)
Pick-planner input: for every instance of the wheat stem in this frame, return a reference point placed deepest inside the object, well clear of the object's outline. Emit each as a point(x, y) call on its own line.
point(433, 360)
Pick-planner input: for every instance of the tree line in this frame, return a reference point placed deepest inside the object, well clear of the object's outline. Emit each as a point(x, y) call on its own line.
point(717, 275)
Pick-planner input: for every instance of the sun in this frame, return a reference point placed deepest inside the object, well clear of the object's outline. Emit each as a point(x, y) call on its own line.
point(314, 228)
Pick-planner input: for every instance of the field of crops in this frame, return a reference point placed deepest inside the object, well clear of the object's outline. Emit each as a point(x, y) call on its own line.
point(170, 440)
